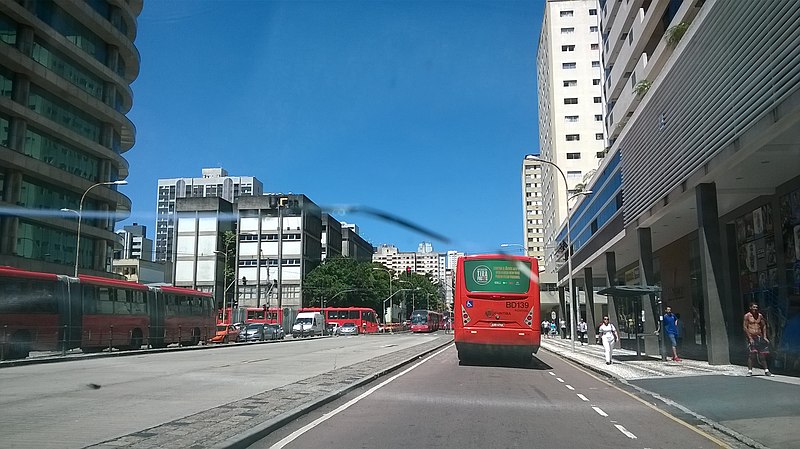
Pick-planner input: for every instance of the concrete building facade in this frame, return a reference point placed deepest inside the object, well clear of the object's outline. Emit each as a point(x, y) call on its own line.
point(214, 182)
point(65, 75)
point(699, 194)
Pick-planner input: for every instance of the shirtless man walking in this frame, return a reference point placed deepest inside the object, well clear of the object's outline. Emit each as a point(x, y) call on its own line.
point(755, 330)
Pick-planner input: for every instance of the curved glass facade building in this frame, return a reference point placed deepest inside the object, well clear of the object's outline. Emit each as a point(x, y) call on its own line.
point(65, 74)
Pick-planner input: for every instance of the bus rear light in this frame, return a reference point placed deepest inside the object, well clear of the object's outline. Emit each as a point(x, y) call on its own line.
point(465, 319)
point(529, 318)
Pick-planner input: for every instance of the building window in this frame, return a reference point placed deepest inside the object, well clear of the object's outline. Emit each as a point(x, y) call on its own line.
point(570, 101)
point(569, 30)
point(595, 63)
point(573, 174)
point(595, 46)
point(598, 136)
point(573, 155)
point(573, 137)
point(570, 83)
point(567, 13)
point(598, 117)
point(598, 100)
point(596, 82)
point(592, 12)
point(569, 65)
point(593, 29)
point(567, 48)
point(571, 118)
point(600, 154)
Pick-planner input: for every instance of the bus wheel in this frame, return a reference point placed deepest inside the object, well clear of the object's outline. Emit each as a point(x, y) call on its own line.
point(137, 339)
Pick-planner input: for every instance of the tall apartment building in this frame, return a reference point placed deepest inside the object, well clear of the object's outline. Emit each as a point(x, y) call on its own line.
point(571, 130)
point(214, 182)
point(533, 209)
point(65, 75)
point(426, 262)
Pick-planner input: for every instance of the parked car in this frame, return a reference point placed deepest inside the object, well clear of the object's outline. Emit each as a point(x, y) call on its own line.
point(226, 333)
point(257, 332)
point(347, 329)
point(331, 328)
point(278, 334)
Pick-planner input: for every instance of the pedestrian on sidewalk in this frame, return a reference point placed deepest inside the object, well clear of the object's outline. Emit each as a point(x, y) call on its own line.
point(755, 330)
point(582, 328)
point(563, 329)
point(670, 327)
point(609, 336)
point(553, 330)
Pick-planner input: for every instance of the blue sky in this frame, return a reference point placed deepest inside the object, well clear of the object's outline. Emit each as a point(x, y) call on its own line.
point(423, 109)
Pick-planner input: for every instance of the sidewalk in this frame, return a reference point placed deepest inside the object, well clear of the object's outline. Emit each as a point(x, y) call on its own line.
point(758, 411)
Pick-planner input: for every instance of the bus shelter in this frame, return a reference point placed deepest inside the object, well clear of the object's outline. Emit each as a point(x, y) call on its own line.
point(633, 294)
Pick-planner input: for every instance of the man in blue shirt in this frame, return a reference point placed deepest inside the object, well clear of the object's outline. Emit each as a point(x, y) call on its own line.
point(670, 327)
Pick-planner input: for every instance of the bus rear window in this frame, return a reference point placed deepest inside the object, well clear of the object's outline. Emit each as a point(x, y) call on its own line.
point(497, 276)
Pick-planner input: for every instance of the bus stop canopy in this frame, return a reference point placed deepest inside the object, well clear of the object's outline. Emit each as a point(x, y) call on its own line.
point(634, 291)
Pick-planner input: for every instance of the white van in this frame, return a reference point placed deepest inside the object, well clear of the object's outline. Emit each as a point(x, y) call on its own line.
point(308, 324)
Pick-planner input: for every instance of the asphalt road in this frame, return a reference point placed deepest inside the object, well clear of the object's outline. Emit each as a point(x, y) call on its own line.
point(82, 402)
point(441, 404)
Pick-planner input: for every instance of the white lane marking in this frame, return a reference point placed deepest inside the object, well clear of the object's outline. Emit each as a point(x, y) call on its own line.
point(570, 387)
point(583, 398)
point(552, 373)
point(297, 433)
point(600, 411)
point(560, 379)
point(625, 431)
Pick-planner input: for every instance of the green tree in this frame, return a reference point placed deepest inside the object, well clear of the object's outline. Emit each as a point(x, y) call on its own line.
point(343, 282)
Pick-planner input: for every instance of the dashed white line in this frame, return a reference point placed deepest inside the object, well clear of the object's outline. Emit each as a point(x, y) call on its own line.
point(583, 398)
point(560, 379)
point(600, 411)
point(570, 387)
point(625, 431)
point(552, 373)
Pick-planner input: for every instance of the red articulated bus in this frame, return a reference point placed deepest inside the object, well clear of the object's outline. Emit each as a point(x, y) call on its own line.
point(425, 321)
point(49, 312)
point(365, 318)
point(496, 307)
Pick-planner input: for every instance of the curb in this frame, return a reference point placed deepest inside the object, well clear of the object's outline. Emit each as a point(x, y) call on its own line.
point(262, 430)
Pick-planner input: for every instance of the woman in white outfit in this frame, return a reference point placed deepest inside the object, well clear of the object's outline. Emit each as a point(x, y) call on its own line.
point(608, 334)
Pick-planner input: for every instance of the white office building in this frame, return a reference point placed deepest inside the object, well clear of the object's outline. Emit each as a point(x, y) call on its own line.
point(214, 182)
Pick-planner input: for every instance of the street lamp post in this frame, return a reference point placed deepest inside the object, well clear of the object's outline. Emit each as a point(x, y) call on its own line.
point(573, 301)
point(80, 216)
point(389, 273)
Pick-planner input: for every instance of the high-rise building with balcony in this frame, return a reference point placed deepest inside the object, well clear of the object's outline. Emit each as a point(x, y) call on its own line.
point(65, 75)
point(571, 131)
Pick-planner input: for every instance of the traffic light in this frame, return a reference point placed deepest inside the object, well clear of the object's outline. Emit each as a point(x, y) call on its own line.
point(408, 271)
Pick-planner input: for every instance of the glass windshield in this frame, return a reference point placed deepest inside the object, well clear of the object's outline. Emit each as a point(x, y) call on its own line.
point(253, 326)
point(419, 318)
point(221, 328)
point(304, 321)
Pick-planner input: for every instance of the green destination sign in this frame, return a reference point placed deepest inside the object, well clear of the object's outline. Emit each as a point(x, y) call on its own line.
point(497, 276)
